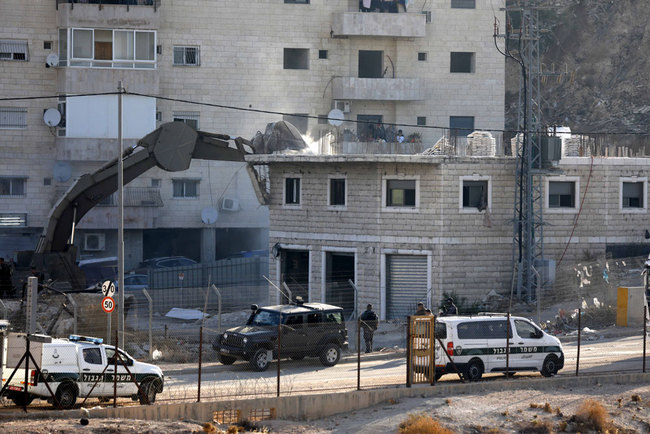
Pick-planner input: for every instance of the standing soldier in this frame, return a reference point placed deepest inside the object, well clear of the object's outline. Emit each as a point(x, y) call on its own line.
point(369, 323)
point(6, 287)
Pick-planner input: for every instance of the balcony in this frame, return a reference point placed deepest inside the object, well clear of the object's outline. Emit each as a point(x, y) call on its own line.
point(134, 14)
point(379, 89)
point(97, 80)
point(403, 25)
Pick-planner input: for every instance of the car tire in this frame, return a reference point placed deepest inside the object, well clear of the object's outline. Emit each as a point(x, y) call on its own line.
point(438, 375)
point(149, 390)
point(20, 401)
point(550, 366)
point(66, 395)
point(226, 360)
point(330, 355)
point(260, 360)
point(474, 370)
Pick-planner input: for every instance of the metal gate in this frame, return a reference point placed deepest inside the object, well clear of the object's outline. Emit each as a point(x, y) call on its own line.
point(406, 284)
point(420, 350)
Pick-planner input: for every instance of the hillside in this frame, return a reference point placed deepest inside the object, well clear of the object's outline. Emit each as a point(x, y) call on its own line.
point(604, 47)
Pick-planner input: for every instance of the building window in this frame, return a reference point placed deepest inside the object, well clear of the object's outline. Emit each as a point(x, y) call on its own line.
point(187, 56)
point(421, 120)
point(292, 191)
point(13, 49)
point(322, 54)
point(13, 220)
point(475, 193)
point(107, 48)
point(12, 186)
point(298, 120)
point(47, 45)
point(561, 194)
point(296, 58)
point(400, 193)
point(189, 118)
point(633, 193)
point(337, 192)
point(463, 4)
point(13, 118)
point(461, 125)
point(155, 183)
point(185, 187)
point(462, 62)
point(422, 57)
point(371, 64)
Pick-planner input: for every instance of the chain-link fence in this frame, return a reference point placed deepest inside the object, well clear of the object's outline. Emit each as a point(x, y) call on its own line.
point(209, 351)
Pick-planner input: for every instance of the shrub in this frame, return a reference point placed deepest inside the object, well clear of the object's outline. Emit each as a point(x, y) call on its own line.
point(593, 415)
point(422, 424)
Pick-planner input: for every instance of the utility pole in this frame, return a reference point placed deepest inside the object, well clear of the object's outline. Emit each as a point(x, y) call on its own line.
point(120, 230)
point(522, 45)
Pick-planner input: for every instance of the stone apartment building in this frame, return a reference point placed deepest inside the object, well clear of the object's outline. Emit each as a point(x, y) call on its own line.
point(408, 228)
point(433, 65)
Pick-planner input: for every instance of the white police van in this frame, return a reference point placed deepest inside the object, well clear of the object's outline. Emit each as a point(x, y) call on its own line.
point(473, 345)
point(76, 367)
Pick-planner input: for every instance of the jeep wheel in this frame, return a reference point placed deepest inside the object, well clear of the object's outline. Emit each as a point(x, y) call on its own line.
point(550, 366)
point(19, 399)
point(66, 395)
point(474, 370)
point(330, 355)
point(226, 360)
point(260, 360)
point(149, 390)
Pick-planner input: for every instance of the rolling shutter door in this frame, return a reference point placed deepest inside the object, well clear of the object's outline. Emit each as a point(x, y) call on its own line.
point(406, 284)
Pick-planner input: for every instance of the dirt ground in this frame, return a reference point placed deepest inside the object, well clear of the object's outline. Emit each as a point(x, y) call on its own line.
point(627, 408)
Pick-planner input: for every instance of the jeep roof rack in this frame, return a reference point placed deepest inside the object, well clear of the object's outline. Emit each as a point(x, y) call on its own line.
point(491, 314)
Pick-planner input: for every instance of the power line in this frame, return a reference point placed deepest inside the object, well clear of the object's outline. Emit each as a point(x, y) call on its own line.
point(252, 110)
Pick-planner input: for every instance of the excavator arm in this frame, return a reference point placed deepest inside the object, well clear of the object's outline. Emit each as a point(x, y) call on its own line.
point(171, 147)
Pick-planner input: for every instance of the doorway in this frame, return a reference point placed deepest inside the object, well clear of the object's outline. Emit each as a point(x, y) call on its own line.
point(339, 270)
point(295, 273)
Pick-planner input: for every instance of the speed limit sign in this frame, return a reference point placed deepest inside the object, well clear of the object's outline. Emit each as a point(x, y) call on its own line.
point(108, 304)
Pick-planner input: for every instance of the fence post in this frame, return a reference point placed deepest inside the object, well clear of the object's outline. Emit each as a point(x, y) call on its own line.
point(27, 353)
point(579, 331)
point(4, 309)
point(359, 353)
point(408, 351)
point(279, 350)
point(216, 291)
point(645, 332)
point(432, 356)
point(508, 346)
point(117, 341)
point(150, 301)
point(198, 399)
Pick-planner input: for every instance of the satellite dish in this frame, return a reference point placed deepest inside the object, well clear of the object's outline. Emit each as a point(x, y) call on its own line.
point(52, 117)
point(62, 171)
point(209, 215)
point(335, 117)
point(52, 60)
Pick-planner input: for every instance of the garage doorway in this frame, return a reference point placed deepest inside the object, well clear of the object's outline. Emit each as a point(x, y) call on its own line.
point(339, 270)
point(295, 273)
point(406, 284)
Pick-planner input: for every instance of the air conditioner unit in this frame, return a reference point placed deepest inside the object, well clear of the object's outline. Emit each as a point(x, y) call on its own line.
point(344, 106)
point(95, 242)
point(229, 204)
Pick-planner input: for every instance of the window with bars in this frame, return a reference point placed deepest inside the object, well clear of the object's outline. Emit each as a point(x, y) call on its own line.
point(13, 118)
point(14, 49)
point(292, 191)
point(187, 56)
point(189, 118)
point(185, 187)
point(12, 186)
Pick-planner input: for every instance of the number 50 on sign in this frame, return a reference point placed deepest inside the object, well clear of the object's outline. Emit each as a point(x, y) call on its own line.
point(108, 304)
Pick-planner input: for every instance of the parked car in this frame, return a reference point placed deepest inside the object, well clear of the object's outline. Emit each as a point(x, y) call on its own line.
point(477, 344)
point(98, 270)
point(165, 262)
point(308, 330)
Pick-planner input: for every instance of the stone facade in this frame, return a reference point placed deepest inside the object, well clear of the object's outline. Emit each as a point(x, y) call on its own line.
point(241, 45)
point(469, 252)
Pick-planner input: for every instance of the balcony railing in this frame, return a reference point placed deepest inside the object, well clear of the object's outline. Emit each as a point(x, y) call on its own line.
point(154, 3)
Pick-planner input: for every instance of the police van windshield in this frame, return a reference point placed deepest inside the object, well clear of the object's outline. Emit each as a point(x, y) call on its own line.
point(265, 318)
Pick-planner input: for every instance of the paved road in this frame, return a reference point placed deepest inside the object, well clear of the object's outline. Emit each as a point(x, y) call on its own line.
point(378, 369)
